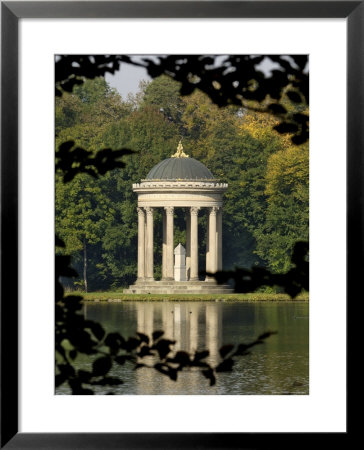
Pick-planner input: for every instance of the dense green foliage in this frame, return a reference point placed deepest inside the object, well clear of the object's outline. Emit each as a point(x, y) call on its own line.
point(265, 207)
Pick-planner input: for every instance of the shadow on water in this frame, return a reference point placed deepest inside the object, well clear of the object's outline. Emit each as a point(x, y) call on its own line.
point(280, 366)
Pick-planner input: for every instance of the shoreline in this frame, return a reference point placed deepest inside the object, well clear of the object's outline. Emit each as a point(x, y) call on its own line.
point(117, 297)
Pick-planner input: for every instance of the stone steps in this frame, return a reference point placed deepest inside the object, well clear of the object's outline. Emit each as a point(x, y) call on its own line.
point(172, 291)
point(178, 287)
point(177, 283)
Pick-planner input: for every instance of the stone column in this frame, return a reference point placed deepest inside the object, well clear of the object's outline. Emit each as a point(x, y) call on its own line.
point(207, 266)
point(169, 247)
point(188, 245)
point(194, 243)
point(164, 247)
point(219, 239)
point(141, 244)
point(149, 245)
point(212, 256)
point(145, 245)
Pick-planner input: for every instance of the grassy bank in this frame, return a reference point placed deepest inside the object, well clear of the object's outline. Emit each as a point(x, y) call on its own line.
point(253, 297)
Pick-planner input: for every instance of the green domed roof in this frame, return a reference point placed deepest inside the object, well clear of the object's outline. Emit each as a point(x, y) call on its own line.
point(180, 169)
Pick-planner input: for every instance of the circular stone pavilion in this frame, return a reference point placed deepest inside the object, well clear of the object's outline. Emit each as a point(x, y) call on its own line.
point(179, 182)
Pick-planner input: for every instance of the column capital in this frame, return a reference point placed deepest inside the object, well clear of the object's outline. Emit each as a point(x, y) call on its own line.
point(194, 210)
point(214, 210)
point(169, 210)
point(149, 211)
point(140, 211)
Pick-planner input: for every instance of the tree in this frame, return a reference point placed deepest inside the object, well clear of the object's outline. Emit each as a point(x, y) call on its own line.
point(82, 214)
point(68, 112)
point(84, 114)
point(163, 94)
point(286, 220)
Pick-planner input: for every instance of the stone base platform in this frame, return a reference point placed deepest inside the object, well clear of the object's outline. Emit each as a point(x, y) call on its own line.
point(178, 287)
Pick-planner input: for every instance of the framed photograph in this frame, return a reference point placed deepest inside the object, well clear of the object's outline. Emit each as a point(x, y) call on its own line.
point(33, 35)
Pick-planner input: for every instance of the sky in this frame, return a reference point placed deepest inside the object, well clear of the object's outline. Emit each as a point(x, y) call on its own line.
point(127, 79)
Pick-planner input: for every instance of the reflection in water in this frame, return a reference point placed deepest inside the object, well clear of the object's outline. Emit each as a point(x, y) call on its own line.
point(193, 328)
point(280, 366)
point(213, 326)
point(177, 326)
point(180, 322)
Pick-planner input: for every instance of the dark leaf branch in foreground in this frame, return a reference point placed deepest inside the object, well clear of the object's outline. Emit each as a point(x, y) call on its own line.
point(75, 335)
point(71, 70)
point(292, 282)
point(228, 80)
point(72, 160)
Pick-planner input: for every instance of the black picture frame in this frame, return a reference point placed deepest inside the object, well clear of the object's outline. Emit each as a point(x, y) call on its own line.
point(11, 12)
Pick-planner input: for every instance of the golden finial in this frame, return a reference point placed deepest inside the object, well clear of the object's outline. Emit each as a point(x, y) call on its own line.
point(180, 153)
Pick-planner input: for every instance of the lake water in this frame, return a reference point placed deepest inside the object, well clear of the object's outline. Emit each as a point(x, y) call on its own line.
point(279, 366)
